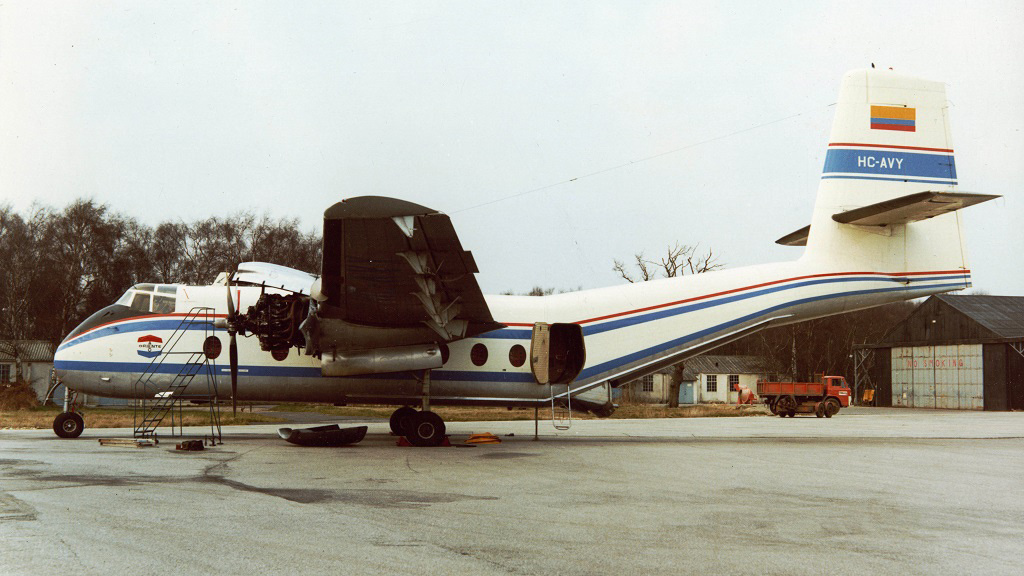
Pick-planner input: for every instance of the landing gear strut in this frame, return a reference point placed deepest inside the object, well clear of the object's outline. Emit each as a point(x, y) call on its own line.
point(69, 423)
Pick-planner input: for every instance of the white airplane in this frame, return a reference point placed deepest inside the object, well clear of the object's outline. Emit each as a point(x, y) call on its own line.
point(396, 316)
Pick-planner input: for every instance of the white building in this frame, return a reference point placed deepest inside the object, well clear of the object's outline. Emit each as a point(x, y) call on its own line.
point(30, 360)
point(706, 378)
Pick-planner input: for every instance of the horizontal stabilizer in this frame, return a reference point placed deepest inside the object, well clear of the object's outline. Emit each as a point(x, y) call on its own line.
point(798, 238)
point(910, 208)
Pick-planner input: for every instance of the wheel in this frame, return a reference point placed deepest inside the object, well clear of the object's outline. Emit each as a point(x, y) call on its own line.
point(427, 430)
point(773, 408)
point(819, 409)
point(831, 407)
point(786, 406)
point(401, 420)
point(68, 425)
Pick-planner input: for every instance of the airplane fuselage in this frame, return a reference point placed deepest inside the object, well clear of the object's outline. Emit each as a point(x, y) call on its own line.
point(624, 328)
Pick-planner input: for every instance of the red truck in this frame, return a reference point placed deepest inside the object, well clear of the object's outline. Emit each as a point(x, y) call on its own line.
point(823, 398)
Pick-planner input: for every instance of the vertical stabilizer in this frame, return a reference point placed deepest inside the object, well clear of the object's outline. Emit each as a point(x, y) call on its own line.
point(890, 139)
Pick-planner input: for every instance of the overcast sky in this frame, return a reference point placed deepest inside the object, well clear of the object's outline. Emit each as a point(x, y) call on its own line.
point(680, 121)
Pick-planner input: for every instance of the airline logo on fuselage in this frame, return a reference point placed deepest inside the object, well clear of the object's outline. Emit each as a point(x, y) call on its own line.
point(149, 346)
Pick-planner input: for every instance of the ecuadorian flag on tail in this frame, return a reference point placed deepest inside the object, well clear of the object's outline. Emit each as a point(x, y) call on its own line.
point(893, 118)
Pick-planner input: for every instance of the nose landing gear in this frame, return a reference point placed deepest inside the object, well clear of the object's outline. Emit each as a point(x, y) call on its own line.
point(68, 424)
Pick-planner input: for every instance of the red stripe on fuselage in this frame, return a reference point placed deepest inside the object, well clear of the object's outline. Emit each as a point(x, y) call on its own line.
point(751, 287)
point(140, 317)
point(893, 146)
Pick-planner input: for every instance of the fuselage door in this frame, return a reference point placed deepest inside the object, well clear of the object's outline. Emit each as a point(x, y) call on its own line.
point(557, 352)
point(540, 353)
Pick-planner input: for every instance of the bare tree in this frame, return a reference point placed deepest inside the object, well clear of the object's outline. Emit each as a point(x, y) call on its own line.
point(58, 266)
point(679, 260)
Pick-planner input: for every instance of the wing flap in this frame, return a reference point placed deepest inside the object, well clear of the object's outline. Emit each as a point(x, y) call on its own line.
point(392, 264)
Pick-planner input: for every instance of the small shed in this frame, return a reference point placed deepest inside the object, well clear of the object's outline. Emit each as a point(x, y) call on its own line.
point(714, 378)
point(29, 360)
point(953, 352)
point(706, 378)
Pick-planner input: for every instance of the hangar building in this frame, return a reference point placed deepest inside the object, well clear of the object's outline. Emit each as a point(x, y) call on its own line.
point(952, 352)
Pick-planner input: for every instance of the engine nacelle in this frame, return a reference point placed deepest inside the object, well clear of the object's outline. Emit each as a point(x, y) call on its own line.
point(380, 360)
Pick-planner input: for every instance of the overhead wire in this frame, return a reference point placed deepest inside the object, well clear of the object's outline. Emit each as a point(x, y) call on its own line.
point(631, 162)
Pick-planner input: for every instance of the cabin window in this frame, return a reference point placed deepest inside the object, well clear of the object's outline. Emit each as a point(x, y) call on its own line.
point(734, 382)
point(140, 302)
point(517, 355)
point(648, 383)
point(163, 304)
point(712, 382)
point(478, 354)
point(167, 289)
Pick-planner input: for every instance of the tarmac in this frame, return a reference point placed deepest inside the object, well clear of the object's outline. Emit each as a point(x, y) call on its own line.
point(870, 491)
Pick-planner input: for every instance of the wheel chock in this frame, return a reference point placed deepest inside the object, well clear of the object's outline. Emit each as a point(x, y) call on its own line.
point(403, 441)
point(486, 438)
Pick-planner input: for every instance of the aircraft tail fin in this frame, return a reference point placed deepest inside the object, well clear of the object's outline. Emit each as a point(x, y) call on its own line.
point(886, 201)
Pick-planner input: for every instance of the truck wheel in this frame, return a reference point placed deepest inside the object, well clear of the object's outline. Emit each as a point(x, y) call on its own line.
point(831, 407)
point(786, 405)
point(819, 409)
point(774, 410)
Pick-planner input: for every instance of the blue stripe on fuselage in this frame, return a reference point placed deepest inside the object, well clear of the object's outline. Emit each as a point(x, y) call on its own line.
point(492, 376)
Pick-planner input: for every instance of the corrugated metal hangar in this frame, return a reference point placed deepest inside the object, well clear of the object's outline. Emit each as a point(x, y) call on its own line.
point(953, 352)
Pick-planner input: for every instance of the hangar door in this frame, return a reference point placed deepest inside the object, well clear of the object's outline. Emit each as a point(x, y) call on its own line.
point(938, 377)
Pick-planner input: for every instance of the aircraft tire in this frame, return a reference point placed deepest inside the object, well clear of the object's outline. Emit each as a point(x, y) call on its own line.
point(427, 430)
point(68, 425)
point(401, 420)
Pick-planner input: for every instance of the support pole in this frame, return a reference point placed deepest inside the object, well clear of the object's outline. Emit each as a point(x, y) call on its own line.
point(426, 390)
point(67, 398)
point(536, 422)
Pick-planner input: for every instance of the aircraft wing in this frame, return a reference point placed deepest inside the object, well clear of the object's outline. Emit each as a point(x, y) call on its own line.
point(395, 272)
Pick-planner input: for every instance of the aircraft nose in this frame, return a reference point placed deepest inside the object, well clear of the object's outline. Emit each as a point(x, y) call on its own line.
point(60, 361)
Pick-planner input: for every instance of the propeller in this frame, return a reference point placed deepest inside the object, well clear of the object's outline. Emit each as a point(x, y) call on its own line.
point(232, 327)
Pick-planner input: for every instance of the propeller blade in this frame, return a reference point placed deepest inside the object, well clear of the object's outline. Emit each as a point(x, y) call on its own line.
point(233, 356)
point(231, 301)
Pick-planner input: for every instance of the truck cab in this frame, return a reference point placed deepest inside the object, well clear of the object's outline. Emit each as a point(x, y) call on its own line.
point(836, 387)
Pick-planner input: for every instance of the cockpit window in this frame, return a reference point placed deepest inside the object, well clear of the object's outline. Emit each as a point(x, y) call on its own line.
point(157, 298)
point(163, 304)
point(126, 298)
point(140, 302)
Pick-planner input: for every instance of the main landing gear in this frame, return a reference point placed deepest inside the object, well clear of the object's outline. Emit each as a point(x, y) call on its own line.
point(420, 428)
